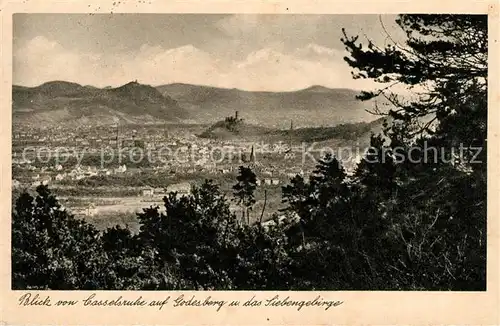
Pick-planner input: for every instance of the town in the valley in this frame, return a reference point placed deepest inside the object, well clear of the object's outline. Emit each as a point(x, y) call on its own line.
point(115, 171)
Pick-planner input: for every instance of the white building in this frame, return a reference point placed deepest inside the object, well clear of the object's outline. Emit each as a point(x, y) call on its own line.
point(147, 192)
point(121, 169)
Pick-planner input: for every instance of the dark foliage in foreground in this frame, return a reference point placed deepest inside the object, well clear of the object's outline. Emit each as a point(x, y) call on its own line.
point(425, 233)
point(395, 224)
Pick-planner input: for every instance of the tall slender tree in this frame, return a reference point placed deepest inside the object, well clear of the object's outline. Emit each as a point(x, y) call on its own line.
point(244, 189)
point(444, 61)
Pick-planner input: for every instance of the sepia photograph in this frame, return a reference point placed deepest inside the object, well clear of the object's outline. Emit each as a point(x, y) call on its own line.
point(256, 152)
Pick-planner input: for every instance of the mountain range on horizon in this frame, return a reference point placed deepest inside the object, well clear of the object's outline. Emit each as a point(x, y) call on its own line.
point(64, 84)
point(58, 102)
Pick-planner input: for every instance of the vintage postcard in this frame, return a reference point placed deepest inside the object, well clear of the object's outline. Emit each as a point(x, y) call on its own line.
point(249, 162)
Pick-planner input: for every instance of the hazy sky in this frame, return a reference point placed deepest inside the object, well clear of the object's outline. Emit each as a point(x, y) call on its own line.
point(253, 52)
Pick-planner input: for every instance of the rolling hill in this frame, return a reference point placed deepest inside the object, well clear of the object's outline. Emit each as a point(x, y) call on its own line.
point(59, 102)
point(222, 130)
point(313, 106)
point(242, 131)
point(64, 102)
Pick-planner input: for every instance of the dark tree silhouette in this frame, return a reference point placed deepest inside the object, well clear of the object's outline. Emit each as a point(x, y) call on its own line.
point(51, 249)
point(445, 61)
point(244, 189)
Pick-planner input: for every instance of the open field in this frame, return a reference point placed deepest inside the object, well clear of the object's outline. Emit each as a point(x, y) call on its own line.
point(113, 209)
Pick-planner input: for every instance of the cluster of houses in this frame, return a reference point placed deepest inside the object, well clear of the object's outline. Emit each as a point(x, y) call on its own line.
point(183, 188)
point(46, 175)
point(90, 210)
point(80, 173)
point(268, 181)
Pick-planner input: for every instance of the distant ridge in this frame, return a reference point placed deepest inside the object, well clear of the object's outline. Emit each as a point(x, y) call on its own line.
point(311, 88)
point(60, 101)
point(318, 89)
point(312, 106)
